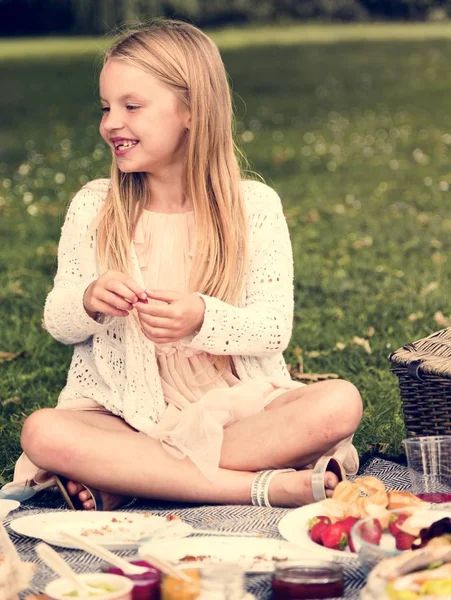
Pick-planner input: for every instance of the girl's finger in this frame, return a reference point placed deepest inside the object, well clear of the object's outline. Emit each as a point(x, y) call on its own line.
point(155, 309)
point(157, 322)
point(115, 300)
point(134, 287)
point(121, 289)
point(108, 309)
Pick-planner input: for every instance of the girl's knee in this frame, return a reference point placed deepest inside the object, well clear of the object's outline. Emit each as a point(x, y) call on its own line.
point(348, 406)
point(39, 434)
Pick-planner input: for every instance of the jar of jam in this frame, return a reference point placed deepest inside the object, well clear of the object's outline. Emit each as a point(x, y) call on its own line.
point(307, 580)
point(146, 586)
point(173, 588)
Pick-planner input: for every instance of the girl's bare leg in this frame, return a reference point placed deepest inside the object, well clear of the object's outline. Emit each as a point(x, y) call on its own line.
point(110, 501)
point(119, 461)
point(296, 429)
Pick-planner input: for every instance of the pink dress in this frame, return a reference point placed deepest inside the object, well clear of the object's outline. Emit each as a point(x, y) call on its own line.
point(200, 400)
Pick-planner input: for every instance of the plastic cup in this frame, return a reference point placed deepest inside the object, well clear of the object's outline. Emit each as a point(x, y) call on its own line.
point(146, 586)
point(429, 465)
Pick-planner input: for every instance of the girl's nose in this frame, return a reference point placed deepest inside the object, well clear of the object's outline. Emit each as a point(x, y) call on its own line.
point(112, 122)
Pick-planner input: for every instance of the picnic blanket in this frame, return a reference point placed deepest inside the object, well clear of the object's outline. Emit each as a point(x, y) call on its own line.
point(233, 518)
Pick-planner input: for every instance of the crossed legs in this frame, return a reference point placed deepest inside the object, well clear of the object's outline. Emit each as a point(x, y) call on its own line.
point(104, 452)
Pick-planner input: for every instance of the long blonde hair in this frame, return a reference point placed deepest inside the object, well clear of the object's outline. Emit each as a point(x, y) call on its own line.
point(189, 63)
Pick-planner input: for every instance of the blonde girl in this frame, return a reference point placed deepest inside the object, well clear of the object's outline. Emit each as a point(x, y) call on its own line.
point(175, 286)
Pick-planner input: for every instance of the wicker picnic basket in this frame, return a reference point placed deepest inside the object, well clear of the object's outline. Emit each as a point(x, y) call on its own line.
point(423, 369)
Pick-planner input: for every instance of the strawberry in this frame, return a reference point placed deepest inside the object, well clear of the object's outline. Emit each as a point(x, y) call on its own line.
point(315, 520)
point(371, 531)
point(346, 524)
point(334, 537)
point(404, 540)
point(395, 521)
point(317, 530)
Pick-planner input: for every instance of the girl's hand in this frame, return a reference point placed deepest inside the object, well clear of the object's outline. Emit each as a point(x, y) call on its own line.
point(113, 293)
point(172, 318)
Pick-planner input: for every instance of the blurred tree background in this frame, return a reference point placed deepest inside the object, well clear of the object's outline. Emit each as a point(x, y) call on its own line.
point(91, 17)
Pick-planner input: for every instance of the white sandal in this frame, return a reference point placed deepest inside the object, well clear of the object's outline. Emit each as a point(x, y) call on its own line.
point(260, 486)
point(325, 463)
point(262, 480)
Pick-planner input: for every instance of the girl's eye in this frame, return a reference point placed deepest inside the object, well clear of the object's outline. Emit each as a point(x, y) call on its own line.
point(104, 109)
point(132, 107)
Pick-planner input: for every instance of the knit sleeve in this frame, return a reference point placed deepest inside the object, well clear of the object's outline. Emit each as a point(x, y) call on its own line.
point(263, 326)
point(64, 315)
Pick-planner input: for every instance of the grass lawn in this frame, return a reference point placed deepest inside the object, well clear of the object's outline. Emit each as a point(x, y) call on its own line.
point(350, 124)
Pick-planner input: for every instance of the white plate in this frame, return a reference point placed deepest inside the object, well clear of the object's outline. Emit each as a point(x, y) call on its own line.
point(6, 506)
point(255, 554)
point(112, 530)
point(293, 527)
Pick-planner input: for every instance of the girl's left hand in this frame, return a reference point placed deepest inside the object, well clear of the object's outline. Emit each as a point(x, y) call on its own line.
point(172, 318)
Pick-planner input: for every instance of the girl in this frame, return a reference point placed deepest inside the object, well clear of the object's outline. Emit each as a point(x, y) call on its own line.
point(175, 285)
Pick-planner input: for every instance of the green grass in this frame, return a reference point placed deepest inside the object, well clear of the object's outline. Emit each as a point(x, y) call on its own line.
point(234, 38)
point(355, 135)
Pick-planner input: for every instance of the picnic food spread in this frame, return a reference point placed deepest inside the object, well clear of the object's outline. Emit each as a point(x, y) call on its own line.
point(422, 569)
point(417, 574)
point(365, 498)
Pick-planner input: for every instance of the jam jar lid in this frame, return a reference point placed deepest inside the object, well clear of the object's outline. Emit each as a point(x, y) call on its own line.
point(308, 571)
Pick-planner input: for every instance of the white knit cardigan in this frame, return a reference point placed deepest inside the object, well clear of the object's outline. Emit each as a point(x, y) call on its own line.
point(115, 365)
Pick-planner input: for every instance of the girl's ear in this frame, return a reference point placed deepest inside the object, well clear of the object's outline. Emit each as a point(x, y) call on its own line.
point(188, 121)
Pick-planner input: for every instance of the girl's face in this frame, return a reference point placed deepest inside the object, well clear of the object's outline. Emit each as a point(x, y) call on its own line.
point(143, 120)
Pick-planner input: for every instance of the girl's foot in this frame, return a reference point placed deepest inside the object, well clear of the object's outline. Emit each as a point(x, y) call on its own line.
point(109, 501)
point(294, 488)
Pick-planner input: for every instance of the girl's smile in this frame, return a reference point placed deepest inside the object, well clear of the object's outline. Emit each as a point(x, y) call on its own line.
point(123, 146)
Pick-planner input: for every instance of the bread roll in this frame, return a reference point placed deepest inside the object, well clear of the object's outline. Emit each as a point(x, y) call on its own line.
point(346, 491)
point(398, 499)
point(334, 509)
point(369, 485)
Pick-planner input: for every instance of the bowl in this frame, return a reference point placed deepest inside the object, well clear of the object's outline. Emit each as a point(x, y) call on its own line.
point(370, 554)
point(122, 586)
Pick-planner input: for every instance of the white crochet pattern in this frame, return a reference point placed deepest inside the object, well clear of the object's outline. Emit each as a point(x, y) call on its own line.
point(115, 365)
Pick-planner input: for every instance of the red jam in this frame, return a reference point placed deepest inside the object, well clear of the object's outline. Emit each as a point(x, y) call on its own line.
point(438, 497)
point(313, 581)
point(145, 586)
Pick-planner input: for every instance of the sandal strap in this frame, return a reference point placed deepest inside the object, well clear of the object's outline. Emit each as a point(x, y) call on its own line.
point(260, 486)
point(325, 463)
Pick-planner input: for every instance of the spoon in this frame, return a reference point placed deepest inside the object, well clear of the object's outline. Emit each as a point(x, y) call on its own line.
point(101, 552)
point(53, 560)
point(93, 548)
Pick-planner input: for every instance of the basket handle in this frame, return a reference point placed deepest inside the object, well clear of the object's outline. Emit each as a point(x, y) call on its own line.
point(413, 370)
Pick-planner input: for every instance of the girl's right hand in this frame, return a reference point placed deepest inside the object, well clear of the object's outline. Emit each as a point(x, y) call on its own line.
point(113, 293)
